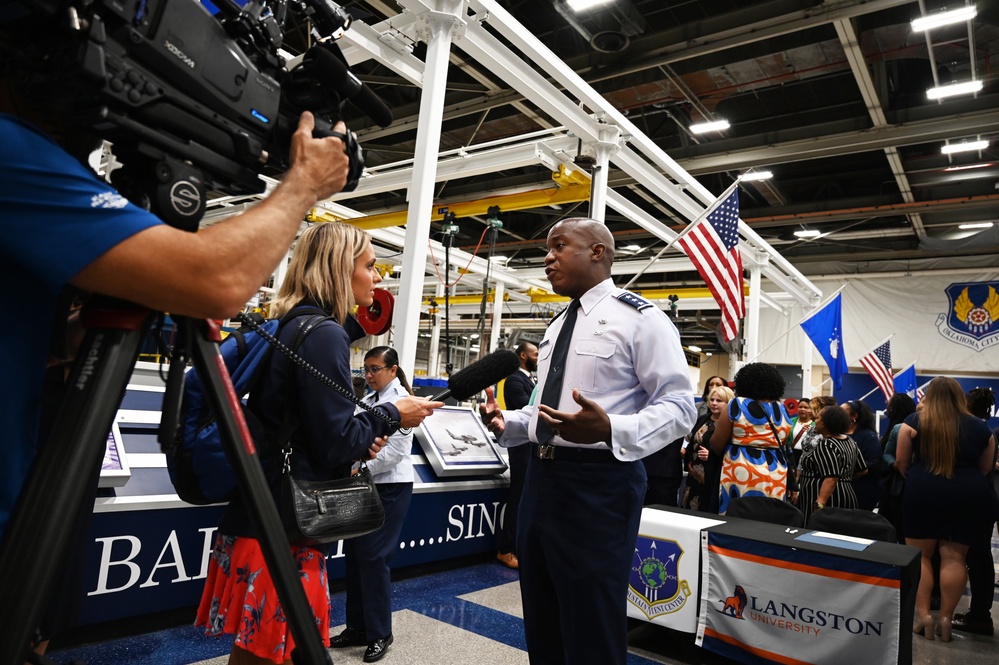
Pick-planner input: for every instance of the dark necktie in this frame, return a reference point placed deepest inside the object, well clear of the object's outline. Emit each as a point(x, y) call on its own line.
point(552, 392)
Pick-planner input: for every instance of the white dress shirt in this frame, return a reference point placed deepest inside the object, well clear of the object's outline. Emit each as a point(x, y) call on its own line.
point(393, 463)
point(628, 360)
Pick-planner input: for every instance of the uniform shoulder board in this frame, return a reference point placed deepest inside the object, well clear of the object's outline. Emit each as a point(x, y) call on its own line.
point(629, 298)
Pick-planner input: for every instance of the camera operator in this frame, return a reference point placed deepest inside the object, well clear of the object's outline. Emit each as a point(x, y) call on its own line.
point(61, 225)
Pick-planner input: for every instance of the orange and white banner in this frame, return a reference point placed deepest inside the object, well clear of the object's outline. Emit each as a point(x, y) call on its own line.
point(768, 603)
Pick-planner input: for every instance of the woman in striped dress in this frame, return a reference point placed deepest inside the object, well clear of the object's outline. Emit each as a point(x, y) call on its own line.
point(826, 470)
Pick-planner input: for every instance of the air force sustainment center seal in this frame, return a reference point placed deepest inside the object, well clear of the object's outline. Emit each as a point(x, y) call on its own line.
point(630, 298)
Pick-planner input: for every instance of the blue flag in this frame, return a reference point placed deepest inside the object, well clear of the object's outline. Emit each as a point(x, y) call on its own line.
point(907, 383)
point(825, 329)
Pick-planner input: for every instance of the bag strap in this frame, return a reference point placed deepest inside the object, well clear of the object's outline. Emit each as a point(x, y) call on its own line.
point(773, 427)
point(315, 373)
point(290, 422)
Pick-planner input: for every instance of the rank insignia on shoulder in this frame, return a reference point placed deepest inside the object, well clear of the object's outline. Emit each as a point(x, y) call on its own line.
point(630, 298)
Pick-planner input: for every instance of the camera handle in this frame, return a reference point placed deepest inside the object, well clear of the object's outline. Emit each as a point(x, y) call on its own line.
point(38, 535)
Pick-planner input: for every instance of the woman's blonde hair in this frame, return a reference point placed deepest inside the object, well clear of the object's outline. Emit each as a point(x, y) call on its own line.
point(940, 425)
point(820, 402)
point(321, 269)
point(726, 393)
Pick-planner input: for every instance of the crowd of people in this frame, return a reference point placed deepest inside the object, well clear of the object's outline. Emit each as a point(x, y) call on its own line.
point(932, 474)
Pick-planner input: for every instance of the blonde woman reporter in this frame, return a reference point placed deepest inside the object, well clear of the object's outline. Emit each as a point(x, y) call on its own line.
point(333, 269)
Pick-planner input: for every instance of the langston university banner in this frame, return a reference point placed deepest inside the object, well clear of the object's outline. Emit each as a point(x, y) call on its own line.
point(767, 603)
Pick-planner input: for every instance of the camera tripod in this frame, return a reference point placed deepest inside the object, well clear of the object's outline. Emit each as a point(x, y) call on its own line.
point(67, 466)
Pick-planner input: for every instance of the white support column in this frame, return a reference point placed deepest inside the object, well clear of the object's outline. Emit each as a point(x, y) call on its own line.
point(753, 318)
point(733, 366)
point(603, 149)
point(433, 359)
point(497, 317)
point(437, 30)
point(281, 271)
point(806, 367)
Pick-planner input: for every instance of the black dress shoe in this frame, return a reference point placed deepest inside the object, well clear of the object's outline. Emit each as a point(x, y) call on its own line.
point(377, 649)
point(969, 623)
point(349, 637)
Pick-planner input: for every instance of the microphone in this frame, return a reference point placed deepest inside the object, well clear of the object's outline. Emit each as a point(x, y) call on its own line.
point(480, 375)
point(348, 86)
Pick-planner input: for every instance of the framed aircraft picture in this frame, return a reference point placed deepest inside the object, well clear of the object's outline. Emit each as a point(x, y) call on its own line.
point(114, 467)
point(456, 443)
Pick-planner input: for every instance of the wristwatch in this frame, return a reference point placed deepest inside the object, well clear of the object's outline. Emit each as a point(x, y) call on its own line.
point(819, 505)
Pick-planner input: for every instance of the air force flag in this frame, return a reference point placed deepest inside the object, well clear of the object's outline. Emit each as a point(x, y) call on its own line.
point(825, 329)
point(906, 382)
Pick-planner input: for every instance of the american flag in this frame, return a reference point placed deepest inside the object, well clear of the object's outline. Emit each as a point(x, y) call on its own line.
point(878, 365)
point(712, 244)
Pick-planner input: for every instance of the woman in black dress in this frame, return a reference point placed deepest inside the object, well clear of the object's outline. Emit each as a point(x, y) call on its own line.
point(827, 468)
point(945, 453)
point(900, 407)
point(867, 485)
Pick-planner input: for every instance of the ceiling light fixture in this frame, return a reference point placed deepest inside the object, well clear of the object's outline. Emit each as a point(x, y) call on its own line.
point(583, 5)
point(632, 248)
point(695, 349)
point(941, 19)
point(976, 225)
point(966, 146)
point(756, 175)
point(954, 89)
point(714, 126)
point(966, 167)
point(808, 233)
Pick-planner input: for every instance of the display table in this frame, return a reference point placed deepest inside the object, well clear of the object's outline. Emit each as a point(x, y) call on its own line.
point(767, 593)
point(775, 594)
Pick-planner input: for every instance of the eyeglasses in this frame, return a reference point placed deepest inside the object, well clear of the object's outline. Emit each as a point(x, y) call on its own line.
point(373, 370)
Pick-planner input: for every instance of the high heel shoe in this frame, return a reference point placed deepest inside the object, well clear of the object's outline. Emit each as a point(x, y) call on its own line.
point(925, 627)
point(944, 628)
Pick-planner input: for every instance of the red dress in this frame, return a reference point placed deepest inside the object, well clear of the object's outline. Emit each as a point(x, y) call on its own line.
point(240, 598)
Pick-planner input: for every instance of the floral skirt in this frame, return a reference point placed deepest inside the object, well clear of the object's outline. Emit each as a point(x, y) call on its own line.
point(240, 599)
point(749, 471)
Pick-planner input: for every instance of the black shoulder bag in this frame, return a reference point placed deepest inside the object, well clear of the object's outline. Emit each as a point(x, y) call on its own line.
point(322, 511)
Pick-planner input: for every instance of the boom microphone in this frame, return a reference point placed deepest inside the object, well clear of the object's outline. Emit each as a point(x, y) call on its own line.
point(336, 73)
point(480, 375)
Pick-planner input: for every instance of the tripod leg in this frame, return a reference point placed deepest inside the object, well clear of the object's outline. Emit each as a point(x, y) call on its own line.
point(255, 491)
point(36, 538)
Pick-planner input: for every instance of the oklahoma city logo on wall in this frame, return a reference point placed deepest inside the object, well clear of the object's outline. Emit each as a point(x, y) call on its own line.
point(655, 586)
point(972, 318)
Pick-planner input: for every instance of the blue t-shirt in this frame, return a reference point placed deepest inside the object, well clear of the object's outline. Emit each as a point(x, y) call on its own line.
point(56, 217)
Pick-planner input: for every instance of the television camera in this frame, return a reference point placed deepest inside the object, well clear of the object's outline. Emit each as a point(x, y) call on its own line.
point(192, 100)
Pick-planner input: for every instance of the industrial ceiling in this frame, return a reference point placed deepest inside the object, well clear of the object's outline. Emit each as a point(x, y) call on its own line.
point(830, 97)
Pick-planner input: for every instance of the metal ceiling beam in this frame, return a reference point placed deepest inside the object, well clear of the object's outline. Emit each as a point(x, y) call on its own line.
point(988, 202)
point(858, 65)
point(675, 45)
point(768, 153)
point(469, 162)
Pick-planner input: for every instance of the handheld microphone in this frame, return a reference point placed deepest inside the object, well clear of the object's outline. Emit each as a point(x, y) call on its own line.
point(348, 86)
point(480, 375)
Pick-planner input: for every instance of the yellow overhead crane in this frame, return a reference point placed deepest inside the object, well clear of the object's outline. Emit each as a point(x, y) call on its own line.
point(570, 187)
point(540, 295)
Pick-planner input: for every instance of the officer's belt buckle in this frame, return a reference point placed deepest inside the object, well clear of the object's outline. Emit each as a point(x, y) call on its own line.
point(546, 451)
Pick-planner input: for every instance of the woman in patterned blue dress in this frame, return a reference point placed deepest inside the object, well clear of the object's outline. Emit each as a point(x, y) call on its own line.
point(750, 437)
